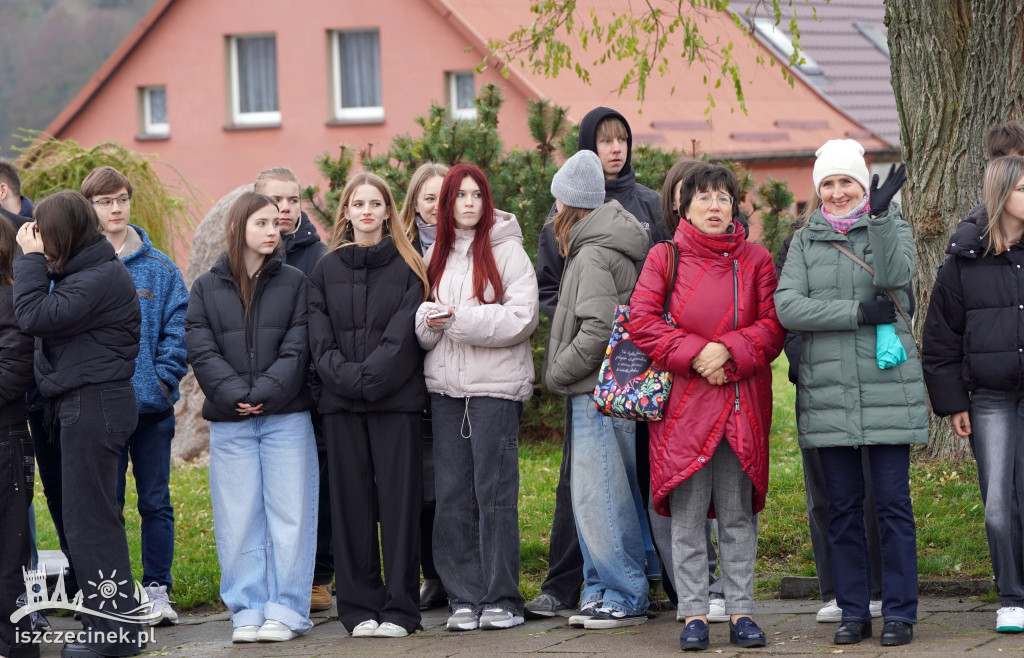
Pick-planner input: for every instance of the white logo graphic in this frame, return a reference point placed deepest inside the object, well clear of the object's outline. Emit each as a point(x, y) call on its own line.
point(107, 603)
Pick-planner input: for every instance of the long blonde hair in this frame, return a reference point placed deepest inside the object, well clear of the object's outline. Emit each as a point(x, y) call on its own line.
point(1001, 178)
point(342, 234)
point(426, 171)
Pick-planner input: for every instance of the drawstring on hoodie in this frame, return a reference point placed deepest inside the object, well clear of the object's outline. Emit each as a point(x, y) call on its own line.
point(465, 422)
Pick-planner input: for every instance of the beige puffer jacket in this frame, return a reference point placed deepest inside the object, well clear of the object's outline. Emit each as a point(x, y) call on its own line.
point(484, 350)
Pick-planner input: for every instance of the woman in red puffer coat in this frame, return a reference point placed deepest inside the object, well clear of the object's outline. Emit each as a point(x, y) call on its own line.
point(709, 454)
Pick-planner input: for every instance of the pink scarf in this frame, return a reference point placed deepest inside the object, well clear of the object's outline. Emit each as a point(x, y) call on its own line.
point(844, 222)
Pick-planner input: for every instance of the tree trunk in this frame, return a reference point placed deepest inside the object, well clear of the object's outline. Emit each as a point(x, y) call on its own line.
point(956, 71)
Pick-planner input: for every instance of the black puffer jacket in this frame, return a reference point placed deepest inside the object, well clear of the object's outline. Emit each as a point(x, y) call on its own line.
point(362, 308)
point(303, 248)
point(974, 332)
point(87, 326)
point(261, 359)
point(16, 365)
point(641, 202)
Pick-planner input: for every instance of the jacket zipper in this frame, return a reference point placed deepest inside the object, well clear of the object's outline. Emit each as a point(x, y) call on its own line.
point(250, 330)
point(736, 317)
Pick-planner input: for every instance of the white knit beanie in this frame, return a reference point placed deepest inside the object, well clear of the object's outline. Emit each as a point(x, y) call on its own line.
point(841, 156)
point(580, 181)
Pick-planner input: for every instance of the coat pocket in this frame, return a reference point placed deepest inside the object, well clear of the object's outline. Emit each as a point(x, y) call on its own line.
point(69, 408)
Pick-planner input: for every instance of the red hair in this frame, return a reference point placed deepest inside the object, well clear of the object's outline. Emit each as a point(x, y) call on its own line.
point(485, 269)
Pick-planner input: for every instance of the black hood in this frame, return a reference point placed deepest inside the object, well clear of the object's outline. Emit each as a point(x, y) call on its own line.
point(588, 134)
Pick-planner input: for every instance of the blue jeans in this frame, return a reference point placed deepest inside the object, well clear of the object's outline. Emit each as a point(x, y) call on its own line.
point(150, 449)
point(604, 501)
point(997, 420)
point(264, 482)
point(890, 479)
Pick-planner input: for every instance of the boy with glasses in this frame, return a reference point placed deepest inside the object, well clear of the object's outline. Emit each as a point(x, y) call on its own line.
point(158, 369)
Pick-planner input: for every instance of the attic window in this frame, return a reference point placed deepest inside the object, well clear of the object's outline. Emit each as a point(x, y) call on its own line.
point(153, 112)
point(253, 70)
point(781, 41)
point(873, 33)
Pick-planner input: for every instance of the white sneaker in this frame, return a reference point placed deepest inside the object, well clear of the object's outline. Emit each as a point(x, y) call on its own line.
point(496, 618)
point(387, 629)
point(244, 634)
point(275, 631)
point(463, 619)
point(716, 610)
point(831, 613)
point(876, 608)
point(1010, 620)
point(158, 597)
point(585, 613)
point(366, 628)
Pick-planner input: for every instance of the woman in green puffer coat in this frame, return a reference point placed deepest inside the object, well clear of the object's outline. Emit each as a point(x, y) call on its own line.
point(846, 401)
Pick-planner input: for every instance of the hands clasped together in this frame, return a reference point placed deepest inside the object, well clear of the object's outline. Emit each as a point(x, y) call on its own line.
point(710, 363)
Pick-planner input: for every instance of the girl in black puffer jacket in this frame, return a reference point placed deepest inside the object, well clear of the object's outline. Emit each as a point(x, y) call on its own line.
point(363, 296)
point(87, 337)
point(974, 367)
point(247, 342)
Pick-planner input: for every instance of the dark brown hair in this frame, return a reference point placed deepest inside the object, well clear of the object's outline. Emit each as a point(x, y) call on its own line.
point(104, 180)
point(8, 249)
point(1007, 139)
point(66, 223)
point(234, 241)
point(676, 173)
point(9, 176)
point(709, 178)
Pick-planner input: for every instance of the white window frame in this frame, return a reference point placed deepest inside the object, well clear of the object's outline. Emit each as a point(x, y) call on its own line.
point(873, 33)
point(367, 114)
point(150, 127)
point(248, 118)
point(468, 113)
point(782, 41)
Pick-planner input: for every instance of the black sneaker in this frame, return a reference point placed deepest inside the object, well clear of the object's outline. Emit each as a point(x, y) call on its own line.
point(544, 606)
point(586, 612)
point(607, 618)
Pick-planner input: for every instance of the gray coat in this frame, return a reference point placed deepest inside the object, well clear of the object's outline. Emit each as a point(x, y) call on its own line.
point(845, 399)
point(600, 272)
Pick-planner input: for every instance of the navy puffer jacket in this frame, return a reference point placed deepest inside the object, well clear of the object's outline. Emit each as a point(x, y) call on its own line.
point(974, 332)
point(257, 359)
point(87, 326)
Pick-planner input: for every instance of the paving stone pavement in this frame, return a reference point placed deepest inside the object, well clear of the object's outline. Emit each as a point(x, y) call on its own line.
point(947, 626)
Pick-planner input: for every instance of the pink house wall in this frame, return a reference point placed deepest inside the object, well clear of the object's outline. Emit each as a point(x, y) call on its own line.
point(186, 53)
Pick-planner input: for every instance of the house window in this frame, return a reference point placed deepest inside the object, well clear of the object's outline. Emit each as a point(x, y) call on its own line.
point(356, 76)
point(253, 64)
point(781, 41)
point(153, 112)
point(873, 32)
point(461, 93)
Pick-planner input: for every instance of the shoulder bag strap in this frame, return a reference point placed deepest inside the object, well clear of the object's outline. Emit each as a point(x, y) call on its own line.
point(670, 273)
point(899, 307)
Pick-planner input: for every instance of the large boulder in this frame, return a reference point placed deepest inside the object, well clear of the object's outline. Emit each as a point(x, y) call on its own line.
point(192, 434)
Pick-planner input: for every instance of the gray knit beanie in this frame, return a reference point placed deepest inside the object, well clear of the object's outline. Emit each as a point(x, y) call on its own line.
point(580, 181)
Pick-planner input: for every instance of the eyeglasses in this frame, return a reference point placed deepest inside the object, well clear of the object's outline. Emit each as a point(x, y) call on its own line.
point(706, 199)
point(107, 201)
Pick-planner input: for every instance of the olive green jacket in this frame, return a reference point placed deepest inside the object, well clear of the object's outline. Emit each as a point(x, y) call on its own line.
point(844, 398)
point(600, 272)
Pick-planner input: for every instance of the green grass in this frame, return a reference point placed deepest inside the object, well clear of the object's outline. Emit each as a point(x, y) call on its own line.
point(947, 504)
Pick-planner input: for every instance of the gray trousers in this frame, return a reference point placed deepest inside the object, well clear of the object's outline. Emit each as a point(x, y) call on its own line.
point(723, 482)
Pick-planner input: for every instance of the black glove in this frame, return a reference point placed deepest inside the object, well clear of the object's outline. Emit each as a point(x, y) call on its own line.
point(882, 196)
point(880, 311)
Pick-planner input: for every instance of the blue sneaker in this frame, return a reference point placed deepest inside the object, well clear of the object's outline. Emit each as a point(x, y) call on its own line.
point(694, 637)
point(746, 633)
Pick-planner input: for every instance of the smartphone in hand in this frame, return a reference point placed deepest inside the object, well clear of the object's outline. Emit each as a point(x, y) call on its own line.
point(439, 315)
